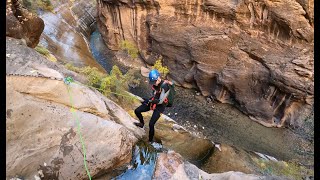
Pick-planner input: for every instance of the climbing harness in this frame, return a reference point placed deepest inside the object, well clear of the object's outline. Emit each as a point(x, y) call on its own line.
point(152, 105)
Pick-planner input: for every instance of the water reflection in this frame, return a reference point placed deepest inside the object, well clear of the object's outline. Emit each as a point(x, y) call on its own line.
point(143, 163)
point(102, 54)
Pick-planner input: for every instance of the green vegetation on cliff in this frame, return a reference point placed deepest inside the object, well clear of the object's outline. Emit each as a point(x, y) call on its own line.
point(130, 48)
point(114, 84)
point(42, 50)
point(281, 168)
point(162, 69)
point(34, 5)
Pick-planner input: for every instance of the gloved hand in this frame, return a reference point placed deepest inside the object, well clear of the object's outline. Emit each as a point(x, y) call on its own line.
point(145, 101)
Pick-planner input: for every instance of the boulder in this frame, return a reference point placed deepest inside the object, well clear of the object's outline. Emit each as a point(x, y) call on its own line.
point(227, 158)
point(22, 24)
point(171, 166)
point(45, 136)
point(144, 71)
point(51, 125)
point(45, 125)
point(192, 148)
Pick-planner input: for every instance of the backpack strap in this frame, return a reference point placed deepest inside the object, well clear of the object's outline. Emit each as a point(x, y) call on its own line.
point(168, 82)
point(163, 94)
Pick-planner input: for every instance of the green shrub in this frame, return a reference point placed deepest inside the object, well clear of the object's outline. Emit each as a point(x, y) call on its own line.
point(71, 67)
point(115, 84)
point(27, 4)
point(105, 86)
point(92, 73)
point(33, 5)
point(162, 69)
point(119, 84)
point(42, 50)
point(51, 57)
point(130, 48)
point(94, 76)
point(45, 5)
point(281, 168)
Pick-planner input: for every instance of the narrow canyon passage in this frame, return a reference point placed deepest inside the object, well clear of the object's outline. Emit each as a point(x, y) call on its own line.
point(223, 123)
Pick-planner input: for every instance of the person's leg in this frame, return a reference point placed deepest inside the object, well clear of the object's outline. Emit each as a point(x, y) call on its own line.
point(155, 116)
point(138, 111)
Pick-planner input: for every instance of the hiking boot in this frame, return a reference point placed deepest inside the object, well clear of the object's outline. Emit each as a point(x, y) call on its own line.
point(139, 124)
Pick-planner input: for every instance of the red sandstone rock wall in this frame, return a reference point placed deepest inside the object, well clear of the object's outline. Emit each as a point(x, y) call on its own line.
point(257, 55)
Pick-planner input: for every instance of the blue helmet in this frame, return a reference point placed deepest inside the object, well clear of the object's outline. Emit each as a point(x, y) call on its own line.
point(153, 76)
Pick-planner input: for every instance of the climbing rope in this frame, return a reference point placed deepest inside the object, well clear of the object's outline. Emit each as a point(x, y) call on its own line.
point(100, 89)
point(68, 80)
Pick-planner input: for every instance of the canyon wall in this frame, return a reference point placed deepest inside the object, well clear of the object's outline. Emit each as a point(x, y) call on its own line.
point(257, 55)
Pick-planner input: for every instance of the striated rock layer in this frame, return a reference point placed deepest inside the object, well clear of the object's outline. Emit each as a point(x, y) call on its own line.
point(257, 55)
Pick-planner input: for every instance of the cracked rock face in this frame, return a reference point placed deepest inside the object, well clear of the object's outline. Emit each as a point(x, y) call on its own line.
point(257, 55)
point(22, 24)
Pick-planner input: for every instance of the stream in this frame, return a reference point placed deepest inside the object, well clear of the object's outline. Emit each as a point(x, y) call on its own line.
point(143, 162)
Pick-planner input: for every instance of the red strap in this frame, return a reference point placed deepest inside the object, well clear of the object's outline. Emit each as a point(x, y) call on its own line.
point(166, 100)
point(153, 106)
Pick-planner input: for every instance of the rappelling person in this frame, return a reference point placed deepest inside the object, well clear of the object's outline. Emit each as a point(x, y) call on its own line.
point(157, 103)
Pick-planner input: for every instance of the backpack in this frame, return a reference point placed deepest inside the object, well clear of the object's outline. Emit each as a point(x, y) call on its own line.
point(171, 94)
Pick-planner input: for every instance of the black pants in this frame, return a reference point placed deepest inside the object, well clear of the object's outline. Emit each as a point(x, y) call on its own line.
point(155, 116)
